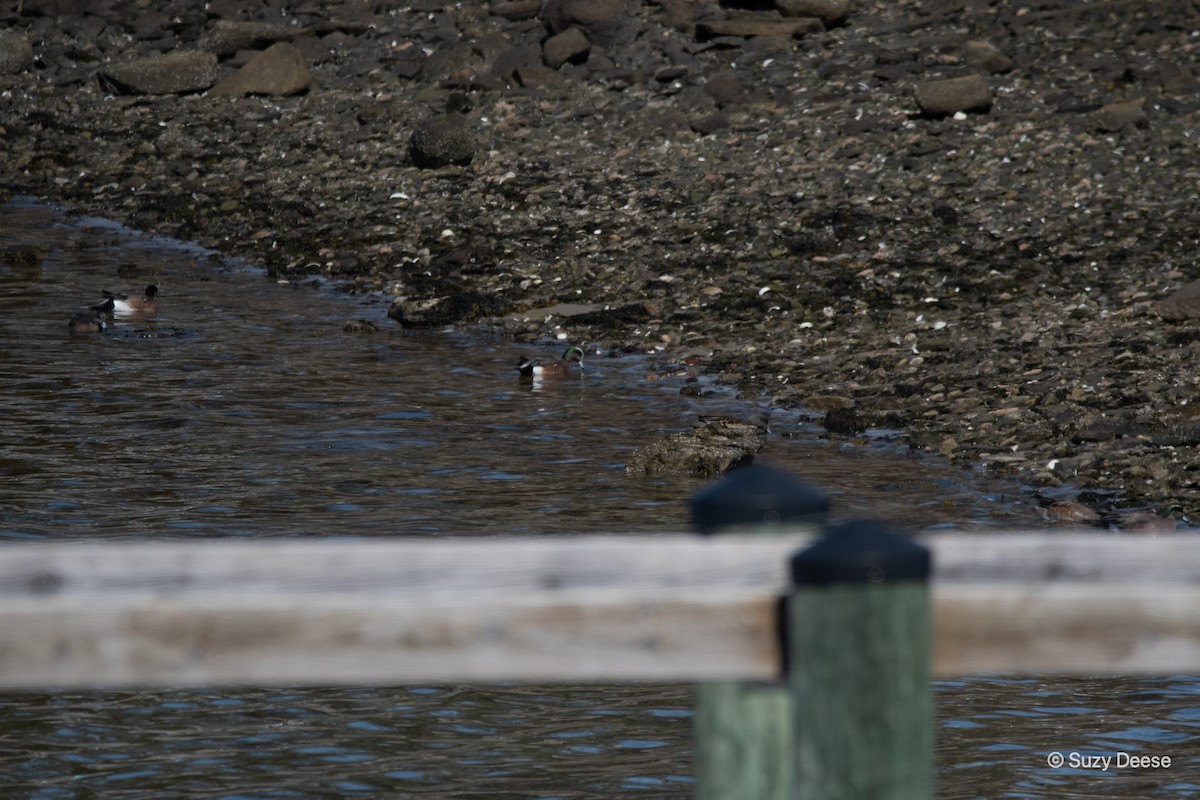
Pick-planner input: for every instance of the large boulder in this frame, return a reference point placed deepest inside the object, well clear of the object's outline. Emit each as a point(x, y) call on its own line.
point(16, 54)
point(279, 71)
point(180, 72)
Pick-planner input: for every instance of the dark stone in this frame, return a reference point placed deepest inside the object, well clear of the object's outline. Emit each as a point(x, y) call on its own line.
point(725, 88)
point(605, 23)
point(846, 421)
point(745, 28)
point(715, 445)
point(830, 12)
point(1184, 303)
point(227, 37)
point(439, 312)
point(947, 96)
point(1116, 117)
point(442, 141)
point(516, 10)
point(985, 56)
point(709, 124)
point(570, 46)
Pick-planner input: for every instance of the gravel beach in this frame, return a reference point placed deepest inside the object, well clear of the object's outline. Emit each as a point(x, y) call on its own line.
point(953, 219)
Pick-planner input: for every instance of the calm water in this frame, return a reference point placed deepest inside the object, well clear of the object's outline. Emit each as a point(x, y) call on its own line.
point(243, 409)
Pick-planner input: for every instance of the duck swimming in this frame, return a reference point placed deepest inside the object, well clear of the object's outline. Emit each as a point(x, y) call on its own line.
point(125, 305)
point(559, 368)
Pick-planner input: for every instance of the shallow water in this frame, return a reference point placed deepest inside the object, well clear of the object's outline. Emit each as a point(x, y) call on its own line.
point(243, 409)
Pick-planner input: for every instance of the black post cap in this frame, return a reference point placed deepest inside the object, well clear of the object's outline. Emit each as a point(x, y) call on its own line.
point(757, 495)
point(864, 551)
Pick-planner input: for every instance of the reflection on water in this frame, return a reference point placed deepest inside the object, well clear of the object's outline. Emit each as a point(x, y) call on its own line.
point(243, 409)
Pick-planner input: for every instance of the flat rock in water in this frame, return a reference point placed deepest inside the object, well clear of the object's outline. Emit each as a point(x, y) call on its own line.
point(715, 446)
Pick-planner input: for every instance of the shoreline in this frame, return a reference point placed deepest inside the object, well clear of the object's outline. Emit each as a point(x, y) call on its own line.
point(775, 212)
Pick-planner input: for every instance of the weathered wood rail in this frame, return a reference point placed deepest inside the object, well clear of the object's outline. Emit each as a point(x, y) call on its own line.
point(559, 609)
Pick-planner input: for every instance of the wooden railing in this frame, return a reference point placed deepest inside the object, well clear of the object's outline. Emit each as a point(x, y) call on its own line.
point(812, 648)
point(570, 608)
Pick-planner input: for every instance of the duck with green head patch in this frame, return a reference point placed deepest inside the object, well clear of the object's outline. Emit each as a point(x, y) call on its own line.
point(559, 368)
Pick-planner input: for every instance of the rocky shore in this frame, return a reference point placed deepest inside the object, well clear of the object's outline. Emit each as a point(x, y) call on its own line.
point(953, 218)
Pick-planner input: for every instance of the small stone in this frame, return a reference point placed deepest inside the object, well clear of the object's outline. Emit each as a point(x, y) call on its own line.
point(725, 88)
point(1116, 117)
point(1183, 304)
point(938, 98)
point(359, 326)
point(708, 124)
point(570, 46)
point(985, 56)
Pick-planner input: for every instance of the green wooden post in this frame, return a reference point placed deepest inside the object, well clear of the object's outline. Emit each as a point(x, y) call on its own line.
point(859, 639)
point(743, 730)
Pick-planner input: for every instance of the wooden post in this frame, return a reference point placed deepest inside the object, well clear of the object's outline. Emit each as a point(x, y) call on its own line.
point(743, 730)
point(860, 645)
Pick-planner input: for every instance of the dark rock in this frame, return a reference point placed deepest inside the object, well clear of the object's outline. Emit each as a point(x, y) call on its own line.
point(534, 75)
point(709, 124)
point(745, 27)
point(179, 72)
point(1184, 303)
point(985, 56)
point(227, 37)
point(508, 65)
point(831, 12)
point(725, 88)
point(437, 312)
point(605, 23)
point(845, 421)
point(1116, 117)
point(1175, 77)
point(278, 71)
point(516, 10)
point(717, 444)
point(441, 141)
point(627, 314)
point(359, 326)
point(570, 46)
point(16, 54)
point(947, 96)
